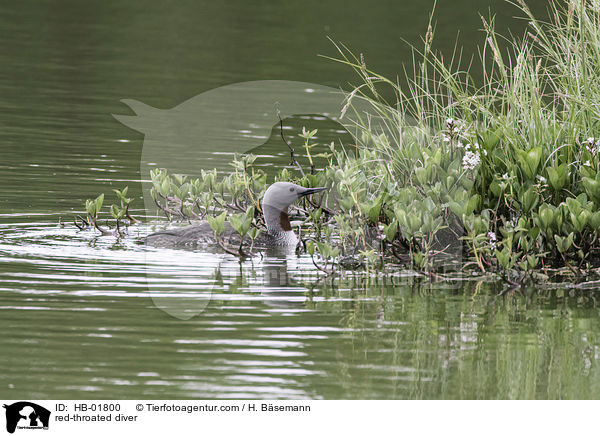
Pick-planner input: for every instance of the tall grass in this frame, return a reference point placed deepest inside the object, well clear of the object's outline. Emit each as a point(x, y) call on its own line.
point(511, 159)
point(498, 170)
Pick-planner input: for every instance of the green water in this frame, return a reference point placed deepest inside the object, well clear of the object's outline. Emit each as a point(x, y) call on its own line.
point(81, 315)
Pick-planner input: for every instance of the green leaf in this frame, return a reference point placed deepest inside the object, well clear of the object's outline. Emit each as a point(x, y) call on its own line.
point(400, 216)
point(323, 249)
point(581, 220)
point(529, 199)
point(236, 222)
point(391, 230)
point(254, 232)
point(457, 208)
point(594, 221)
point(375, 210)
point(414, 223)
point(99, 200)
point(179, 179)
point(592, 187)
point(558, 176)
point(316, 215)
point(472, 204)
point(241, 223)
point(586, 171)
point(114, 211)
point(250, 213)
point(164, 187)
point(217, 223)
point(529, 161)
point(90, 208)
point(573, 206)
point(422, 175)
point(490, 139)
point(532, 261)
point(563, 244)
point(505, 257)
point(546, 217)
point(495, 188)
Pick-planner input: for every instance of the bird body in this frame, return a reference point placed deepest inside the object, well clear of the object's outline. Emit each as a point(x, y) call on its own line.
point(277, 199)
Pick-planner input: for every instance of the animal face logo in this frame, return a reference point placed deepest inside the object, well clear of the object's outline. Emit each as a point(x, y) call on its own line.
point(206, 131)
point(26, 415)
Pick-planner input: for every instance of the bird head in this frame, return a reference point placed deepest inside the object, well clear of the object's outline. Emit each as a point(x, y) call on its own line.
point(282, 194)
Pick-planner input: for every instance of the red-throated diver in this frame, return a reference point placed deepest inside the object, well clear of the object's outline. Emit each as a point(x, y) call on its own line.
point(275, 204)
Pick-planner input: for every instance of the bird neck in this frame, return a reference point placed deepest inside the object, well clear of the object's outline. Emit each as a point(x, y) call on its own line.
point(278, 225)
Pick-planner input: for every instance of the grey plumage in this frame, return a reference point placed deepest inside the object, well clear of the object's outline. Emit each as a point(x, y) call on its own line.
point(275, 205)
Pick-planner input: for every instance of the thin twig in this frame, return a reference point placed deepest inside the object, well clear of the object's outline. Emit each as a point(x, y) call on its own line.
point(292, 156)
point(77, 225)
point(100, 229)
point(131, 219)
point(226, 248)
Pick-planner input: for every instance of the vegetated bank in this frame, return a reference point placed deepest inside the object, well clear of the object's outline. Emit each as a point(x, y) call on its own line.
point(499, 174)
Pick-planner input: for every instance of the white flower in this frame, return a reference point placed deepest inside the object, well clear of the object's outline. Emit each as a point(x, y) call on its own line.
point(542, 179)
point(460, 144)
point(492, 237)
point(445, 137)
point(470, 160)
point(587, 164)
point(450, 121)
point(590, 147)
point(505, 176)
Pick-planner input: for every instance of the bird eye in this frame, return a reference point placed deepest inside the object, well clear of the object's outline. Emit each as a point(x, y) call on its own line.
point(291, 189)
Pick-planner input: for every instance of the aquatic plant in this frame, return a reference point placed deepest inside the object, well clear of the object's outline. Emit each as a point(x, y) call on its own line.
point(500, 174)
point(234, 199)
point(514, 155)
point(118, 211)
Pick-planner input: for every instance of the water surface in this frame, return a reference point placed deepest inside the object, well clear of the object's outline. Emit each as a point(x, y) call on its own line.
point(85, 316)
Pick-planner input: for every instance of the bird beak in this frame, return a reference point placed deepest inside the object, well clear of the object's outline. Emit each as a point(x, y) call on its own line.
point(310, 191)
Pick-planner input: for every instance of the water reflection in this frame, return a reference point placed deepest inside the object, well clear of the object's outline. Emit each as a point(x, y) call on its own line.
point(88, 309)
point(79, 313)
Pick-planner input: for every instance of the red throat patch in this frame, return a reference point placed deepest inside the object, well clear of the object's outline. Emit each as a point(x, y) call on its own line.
point(284, 221)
